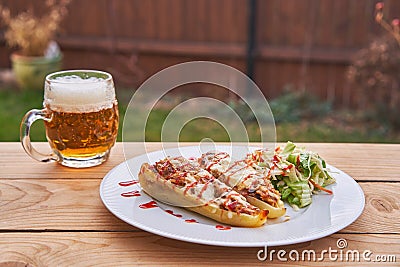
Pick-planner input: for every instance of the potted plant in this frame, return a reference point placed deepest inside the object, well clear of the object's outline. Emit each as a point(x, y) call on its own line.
point(37, 53)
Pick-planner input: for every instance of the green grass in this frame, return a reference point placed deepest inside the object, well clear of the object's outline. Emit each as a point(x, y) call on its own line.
point(195, 130)
point(322, 131)
point(13, 106)
point(333, 127)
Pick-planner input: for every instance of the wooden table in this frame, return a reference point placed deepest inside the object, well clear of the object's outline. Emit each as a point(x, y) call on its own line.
point(53, 216)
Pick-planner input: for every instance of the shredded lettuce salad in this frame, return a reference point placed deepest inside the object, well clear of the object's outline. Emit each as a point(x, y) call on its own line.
point(297, 173)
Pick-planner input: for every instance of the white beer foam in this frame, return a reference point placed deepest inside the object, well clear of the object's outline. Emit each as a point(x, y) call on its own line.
point(75, 94)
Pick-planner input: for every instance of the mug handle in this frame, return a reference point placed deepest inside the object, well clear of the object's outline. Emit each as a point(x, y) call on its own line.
point(25, 128)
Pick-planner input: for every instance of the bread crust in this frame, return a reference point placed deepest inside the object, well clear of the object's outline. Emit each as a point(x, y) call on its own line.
point(273, 212)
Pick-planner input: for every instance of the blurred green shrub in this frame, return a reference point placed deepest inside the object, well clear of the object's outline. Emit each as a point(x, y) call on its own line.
point(292, 106)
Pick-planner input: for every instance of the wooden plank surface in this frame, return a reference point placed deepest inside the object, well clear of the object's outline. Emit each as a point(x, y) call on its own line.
point(110, 249)
point(364, 162)
point(72, 204)
point(53, 216)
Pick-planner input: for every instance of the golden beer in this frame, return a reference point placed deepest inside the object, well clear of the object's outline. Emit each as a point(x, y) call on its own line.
point(80, 112)
point(82, 134)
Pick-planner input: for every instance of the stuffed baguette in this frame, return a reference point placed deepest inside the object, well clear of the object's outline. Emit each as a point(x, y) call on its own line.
point(243, 178)
point(176, 182)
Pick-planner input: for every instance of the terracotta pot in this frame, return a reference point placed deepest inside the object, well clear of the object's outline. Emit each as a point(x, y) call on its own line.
point(30, 72)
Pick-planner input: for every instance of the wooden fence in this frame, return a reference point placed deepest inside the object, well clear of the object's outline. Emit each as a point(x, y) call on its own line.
point(304, 43)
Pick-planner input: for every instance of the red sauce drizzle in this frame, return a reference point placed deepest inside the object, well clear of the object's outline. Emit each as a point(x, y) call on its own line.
point(222, 227)
point(134, 193)
point(257, 156)
point(204, 188)
point(276, 159)
point(128, 183)
point(182, 167)
point(228, 177)
point(148, 205)
point(225, 155)
point(191, 221)
point(169, 172)
point(188, 187)
point(269, 172)
point(211, 164)
point(247, 177)
point(233, 165)
point(217, 158)
point(172, 213)
point(226, 201)
point(284, 170)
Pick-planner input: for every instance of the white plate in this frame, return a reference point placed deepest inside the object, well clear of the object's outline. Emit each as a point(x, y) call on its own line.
point(326, 215)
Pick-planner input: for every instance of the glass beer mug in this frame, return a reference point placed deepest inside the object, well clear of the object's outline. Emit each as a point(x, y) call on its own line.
point(81, 118)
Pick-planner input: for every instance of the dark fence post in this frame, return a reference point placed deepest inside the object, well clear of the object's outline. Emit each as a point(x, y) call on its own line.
point(251, 38)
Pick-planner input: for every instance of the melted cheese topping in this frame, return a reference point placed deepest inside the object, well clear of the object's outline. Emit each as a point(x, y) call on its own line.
point(242, 176)
point(199, 183)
